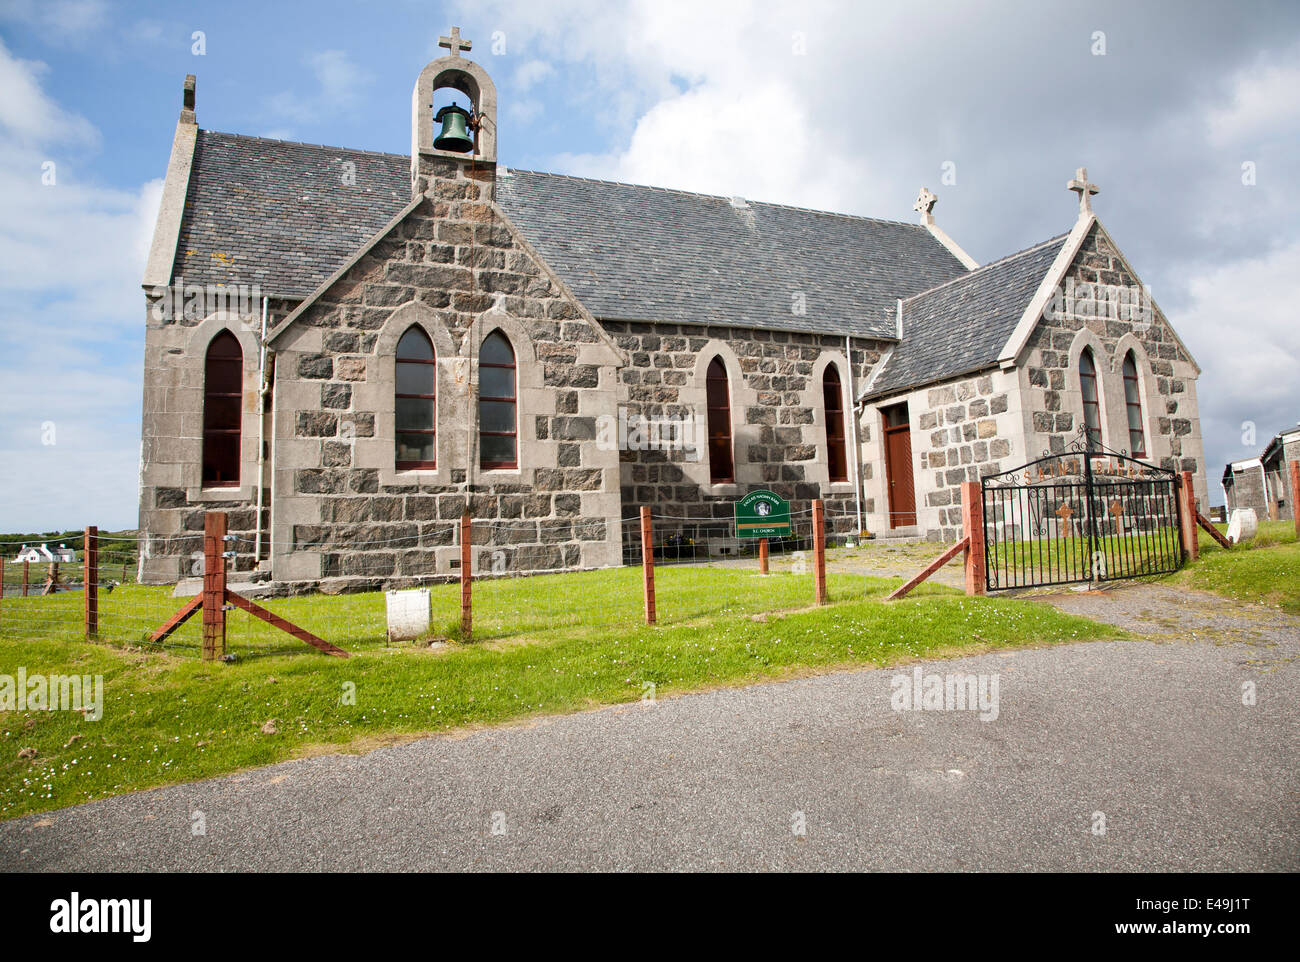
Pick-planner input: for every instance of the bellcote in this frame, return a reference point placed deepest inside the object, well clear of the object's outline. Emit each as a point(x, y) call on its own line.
point(474, 137)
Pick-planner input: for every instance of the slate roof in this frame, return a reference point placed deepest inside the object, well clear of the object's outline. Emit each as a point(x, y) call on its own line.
point(645, 253)
point(961, 326)
point(277, 214)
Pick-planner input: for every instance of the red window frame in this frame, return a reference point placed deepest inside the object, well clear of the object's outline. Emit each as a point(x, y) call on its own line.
point(837, 457)
point(1137, 440)
point(512, 400)
point(223, 369)
point(431, 398)
point(722, 459)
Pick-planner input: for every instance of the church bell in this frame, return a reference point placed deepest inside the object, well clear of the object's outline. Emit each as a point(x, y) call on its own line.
point(455, 130)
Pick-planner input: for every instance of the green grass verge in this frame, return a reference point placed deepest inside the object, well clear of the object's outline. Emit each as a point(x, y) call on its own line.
point(170, 718)
point(1133, 555)
point(1265, 570)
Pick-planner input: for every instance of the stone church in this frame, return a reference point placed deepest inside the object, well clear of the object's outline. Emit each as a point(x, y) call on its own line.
point(345, 350)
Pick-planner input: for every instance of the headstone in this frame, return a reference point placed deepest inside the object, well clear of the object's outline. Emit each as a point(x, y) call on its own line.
point(1242, 525)
point(408, 613)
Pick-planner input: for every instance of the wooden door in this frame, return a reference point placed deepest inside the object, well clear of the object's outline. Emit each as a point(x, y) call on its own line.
point(898, 474)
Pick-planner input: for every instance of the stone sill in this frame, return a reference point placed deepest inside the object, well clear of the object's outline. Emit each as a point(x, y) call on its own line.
point(241, 493)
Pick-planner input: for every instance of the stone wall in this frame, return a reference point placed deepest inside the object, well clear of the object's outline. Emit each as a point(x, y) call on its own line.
point(777, 413)
point(1050, 366)
point(960, 431)
point(172, 497)
point(456, 268)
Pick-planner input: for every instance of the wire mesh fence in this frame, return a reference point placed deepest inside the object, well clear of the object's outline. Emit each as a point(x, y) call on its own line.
point(527, 581)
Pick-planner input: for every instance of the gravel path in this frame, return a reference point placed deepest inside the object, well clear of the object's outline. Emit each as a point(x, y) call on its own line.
point(1153, 735)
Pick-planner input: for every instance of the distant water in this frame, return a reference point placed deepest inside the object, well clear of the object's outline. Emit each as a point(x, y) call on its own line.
point(34, 589)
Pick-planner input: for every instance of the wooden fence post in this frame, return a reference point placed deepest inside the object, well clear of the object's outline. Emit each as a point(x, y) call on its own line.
point(1295, 496)
point(648, 564)
point(762, 556)
point(819, 550)
point(1187, 517)
point(90, 566)
point(214, 585)
point(466, 578)
point(26, 576)
point(972, 519)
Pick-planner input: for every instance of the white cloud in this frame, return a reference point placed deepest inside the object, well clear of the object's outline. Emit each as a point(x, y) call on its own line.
point(695, 142)
point(1264, 101)
point(71, 331)
point(27, 114)
point(532, 72)
point(60, 21)
point(1240, 321)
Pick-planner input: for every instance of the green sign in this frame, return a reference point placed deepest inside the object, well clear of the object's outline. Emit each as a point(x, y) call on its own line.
point(762, 514)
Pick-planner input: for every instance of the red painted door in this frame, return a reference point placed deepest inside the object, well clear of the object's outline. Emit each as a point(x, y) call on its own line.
point(898, 473)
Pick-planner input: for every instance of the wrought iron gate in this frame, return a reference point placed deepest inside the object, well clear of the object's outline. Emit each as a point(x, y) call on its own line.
point(1082, 515)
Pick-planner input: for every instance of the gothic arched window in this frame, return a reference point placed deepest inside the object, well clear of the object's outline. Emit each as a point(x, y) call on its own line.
point(415, 400)
point(1091, 404)
point(718, 400)
point(833, 403)
point(497, 425)
point(223, 388)
point(1137, 443)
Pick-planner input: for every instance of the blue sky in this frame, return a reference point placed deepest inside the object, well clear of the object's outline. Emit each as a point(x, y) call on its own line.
point(843, 106)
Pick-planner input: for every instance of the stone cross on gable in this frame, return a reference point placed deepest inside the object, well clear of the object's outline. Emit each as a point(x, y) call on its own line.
point(924, 205)
point(1085, 190)
point(454, 43)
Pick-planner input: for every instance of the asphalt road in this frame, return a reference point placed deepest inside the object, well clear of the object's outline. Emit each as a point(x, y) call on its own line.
point(1152, 735)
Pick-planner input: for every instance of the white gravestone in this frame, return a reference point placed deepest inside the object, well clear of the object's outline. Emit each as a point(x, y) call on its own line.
point(408, 613)
point(1242, 525)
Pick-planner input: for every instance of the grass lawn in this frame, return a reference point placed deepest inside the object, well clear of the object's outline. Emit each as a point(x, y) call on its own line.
point(1133, 555)
point(1265, 570)
point(543, 645)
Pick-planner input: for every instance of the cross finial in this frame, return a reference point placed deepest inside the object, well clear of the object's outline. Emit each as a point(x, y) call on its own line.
point(924, 205)
point(454, 43)
point(1084, 189)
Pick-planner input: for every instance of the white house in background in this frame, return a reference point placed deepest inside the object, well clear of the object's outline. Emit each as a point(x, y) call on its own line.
point(43, 554)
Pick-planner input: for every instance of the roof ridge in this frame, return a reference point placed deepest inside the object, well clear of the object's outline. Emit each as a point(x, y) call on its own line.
point(303, 143)
point(1001, 260)
point(697, 193)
